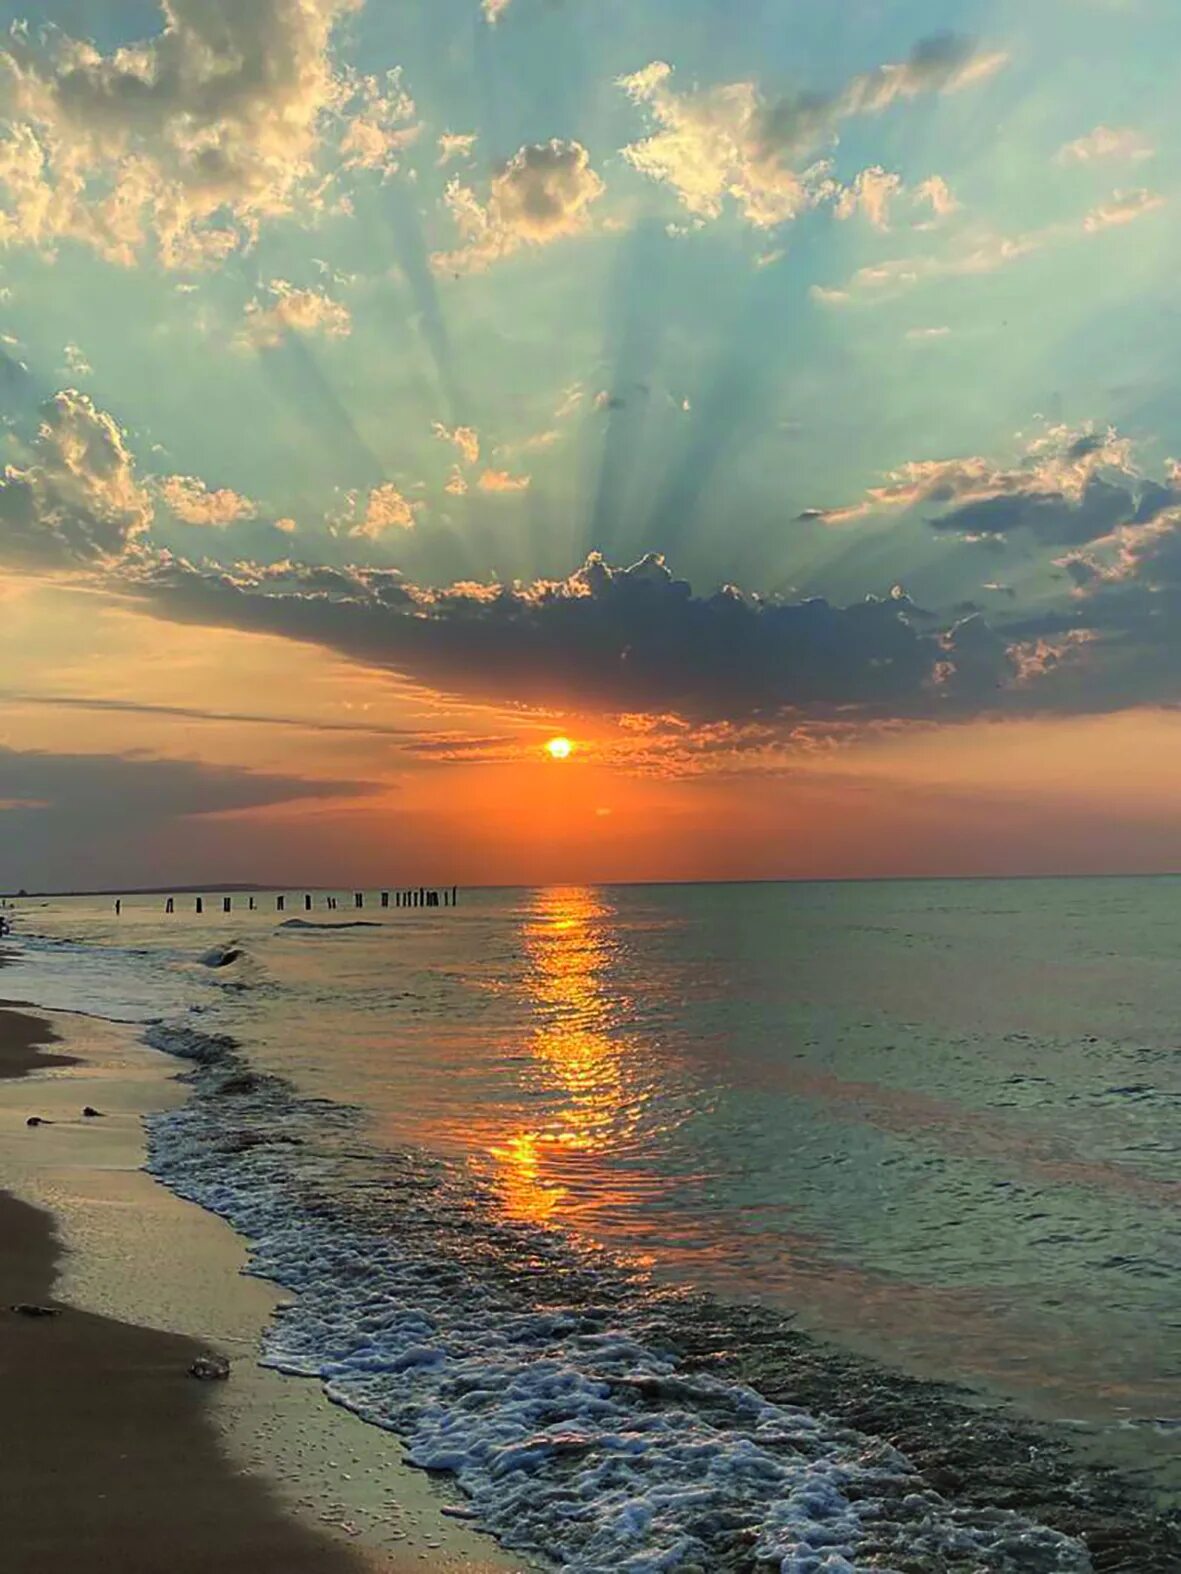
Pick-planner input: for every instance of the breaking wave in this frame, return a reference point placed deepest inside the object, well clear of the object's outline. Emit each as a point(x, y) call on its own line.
point(589, 1415)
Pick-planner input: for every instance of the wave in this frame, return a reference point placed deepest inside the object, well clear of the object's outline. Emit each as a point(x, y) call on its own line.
point(224, 955)
point(589, 1415)
point(345, 923)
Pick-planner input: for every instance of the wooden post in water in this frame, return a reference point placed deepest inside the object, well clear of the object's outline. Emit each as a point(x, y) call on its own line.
point(279, 903)
point(251, 904)
point(200, 908)
point(358, 899)
point(455, 896)
point(170, 906)
point(307, 904)
point(227, 903)
point(385, 898)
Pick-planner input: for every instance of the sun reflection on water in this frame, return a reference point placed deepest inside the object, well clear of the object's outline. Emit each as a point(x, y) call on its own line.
point(578, 1062)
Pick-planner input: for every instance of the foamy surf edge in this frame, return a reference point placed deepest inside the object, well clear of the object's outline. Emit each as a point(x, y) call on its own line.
point(550, 1382)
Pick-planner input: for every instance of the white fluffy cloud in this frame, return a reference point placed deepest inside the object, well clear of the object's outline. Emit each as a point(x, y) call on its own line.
point(730, 142)
point(76, 497)
point(541, 195)
point(186, 141)
point(713, 145)
point(386, 509)
point(195, 504)
point(871, 193)
point(383, 126)
point(289, 310)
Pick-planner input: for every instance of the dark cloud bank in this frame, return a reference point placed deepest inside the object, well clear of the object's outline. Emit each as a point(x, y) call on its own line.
point(627, 639)
point(615, 639)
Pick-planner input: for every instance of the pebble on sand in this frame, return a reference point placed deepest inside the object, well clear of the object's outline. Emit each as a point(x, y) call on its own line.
point(210, 1368)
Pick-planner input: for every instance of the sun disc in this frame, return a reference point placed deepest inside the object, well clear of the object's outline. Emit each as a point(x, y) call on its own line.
point(559, 748)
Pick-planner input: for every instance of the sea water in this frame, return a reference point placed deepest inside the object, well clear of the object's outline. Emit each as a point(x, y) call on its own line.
point(500, 1149)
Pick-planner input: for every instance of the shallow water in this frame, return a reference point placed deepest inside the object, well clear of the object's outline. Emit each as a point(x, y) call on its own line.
point(937, 1121)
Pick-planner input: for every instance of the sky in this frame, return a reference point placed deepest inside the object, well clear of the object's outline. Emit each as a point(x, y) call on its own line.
point(778, 400)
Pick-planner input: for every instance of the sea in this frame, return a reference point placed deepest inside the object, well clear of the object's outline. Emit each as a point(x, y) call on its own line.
point(804, 1226)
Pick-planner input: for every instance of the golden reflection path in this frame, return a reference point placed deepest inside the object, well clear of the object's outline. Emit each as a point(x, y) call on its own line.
point(579, 1065)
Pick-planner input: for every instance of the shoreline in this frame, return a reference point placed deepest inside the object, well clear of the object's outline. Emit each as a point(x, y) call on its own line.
point(124, 1457)
point(140, 1255)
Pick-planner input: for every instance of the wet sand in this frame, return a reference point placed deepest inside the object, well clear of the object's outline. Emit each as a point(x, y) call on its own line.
point(122, 1461)
point(110, 1460)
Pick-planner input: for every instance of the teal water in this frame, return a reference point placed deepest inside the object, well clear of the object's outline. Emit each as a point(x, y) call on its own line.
point(937, 1121)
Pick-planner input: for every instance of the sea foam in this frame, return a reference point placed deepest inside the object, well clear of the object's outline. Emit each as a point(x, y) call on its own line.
point(542, 1377)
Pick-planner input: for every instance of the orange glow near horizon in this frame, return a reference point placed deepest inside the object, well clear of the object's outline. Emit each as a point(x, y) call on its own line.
point(559, 748)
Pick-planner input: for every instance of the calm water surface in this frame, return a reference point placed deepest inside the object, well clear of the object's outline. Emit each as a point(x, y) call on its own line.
point(938, 1120)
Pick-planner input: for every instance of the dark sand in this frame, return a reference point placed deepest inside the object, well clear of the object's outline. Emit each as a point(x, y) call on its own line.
point(108, 1459)
point(21, 1038)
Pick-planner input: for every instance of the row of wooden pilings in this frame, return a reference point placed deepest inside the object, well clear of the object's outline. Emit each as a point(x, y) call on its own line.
point(420, 896)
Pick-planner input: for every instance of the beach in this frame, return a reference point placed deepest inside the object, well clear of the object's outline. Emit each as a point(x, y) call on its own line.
point(118, 1458)
point(492, 1179)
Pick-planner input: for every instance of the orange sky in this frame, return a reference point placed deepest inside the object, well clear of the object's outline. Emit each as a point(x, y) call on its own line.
point(455, 792)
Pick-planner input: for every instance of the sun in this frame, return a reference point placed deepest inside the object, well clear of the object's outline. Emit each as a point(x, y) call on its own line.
point(559, 748)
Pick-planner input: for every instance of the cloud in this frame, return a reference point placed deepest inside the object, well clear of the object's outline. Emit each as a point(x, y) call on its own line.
point(871, 194)
point(465, 438)
point(76, 498)
point(942, 63)
point(607, 638)
point(1052, 518)
point(1123, 208)
point(1104, 143)
point(926, 335)
point(383, 125)
point(882, 280)
point(935, 191)
point(76, 363)
point(502, 481)
point(493, 10)
point(983, 253)
point(106, 707)
point(186, 141)
point(455, 146)
point(268, 323)
point(875, 190)
point(730, 142)
point(385, 509)
point(541, 195)
point(194, 504)
point(1071, 486)
point(44, 797)
point(716, 144)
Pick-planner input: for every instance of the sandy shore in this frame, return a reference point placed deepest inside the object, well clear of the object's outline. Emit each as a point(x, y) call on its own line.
point(121, 1460)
